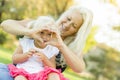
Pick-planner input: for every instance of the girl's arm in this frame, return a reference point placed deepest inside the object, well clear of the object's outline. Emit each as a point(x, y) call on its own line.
point(19, 57)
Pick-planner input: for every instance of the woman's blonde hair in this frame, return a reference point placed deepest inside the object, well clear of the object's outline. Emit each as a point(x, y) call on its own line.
point(76, 43)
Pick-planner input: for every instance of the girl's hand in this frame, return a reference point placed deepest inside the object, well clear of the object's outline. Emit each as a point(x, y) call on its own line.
point(31, 52)
point(41, 56)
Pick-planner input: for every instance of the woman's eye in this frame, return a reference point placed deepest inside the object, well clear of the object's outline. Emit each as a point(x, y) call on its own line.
point(68, 18)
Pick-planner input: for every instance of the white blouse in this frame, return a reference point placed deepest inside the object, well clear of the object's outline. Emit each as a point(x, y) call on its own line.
point(32, 65)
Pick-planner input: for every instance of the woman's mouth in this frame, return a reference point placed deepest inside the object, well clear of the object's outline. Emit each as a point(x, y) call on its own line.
point(63, 27)
point(44, 41)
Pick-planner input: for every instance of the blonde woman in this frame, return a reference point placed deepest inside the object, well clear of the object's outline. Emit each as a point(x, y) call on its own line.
point(74, 26)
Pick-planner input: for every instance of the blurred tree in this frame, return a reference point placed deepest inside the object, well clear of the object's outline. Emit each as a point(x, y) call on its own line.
point(56, 7)
point(103, 62)
point(114, 2)
point(15, 9)
point(2, 3)
point(117, 28)
point(90, 42)
point(47, 7)
point(3, 37)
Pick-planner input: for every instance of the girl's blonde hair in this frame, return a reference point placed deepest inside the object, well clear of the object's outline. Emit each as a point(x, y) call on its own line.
point(40, 22)
point(76, 43)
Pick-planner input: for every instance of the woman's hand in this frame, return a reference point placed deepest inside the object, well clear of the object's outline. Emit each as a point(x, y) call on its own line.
point(56, 39)
point(34, 33)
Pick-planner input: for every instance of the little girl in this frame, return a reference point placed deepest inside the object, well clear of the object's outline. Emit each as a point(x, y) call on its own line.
point(35, 60)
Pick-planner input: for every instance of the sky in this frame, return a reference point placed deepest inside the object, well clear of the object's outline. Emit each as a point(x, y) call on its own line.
point(106, 16)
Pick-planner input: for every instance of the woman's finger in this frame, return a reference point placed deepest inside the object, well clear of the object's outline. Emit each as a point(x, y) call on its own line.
point(38, 38)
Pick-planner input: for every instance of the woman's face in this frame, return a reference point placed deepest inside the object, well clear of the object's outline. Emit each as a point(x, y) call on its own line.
point(70, 23)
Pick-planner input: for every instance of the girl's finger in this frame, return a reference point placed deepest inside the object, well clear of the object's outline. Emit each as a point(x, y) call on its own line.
point(32, 50)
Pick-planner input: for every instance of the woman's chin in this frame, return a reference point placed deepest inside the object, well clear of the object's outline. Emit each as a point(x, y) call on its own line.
point(63, 34)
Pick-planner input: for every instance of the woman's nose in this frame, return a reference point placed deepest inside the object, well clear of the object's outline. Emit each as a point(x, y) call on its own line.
point(64, 21)
point(68, 24)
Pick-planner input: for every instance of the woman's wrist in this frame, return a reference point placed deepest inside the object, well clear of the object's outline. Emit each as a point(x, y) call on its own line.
point(26, 32)
point(62, 46)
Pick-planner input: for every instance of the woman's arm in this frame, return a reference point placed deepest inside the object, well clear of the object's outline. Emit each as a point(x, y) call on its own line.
point(15, 27)
point(75, 62)
point(20, 28)
point(50, 63)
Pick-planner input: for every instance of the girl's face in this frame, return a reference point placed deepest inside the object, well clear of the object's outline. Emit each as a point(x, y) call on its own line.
point(45, 35)
point(70, 23)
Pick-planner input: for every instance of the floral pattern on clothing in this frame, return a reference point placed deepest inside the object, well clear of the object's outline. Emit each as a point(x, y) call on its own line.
point(60, 62)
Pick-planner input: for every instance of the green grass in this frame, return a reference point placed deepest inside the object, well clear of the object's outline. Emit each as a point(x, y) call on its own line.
point(5, 57)
point(73, 76)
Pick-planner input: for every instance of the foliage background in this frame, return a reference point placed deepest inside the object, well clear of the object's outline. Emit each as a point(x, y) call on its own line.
point(102, 61)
